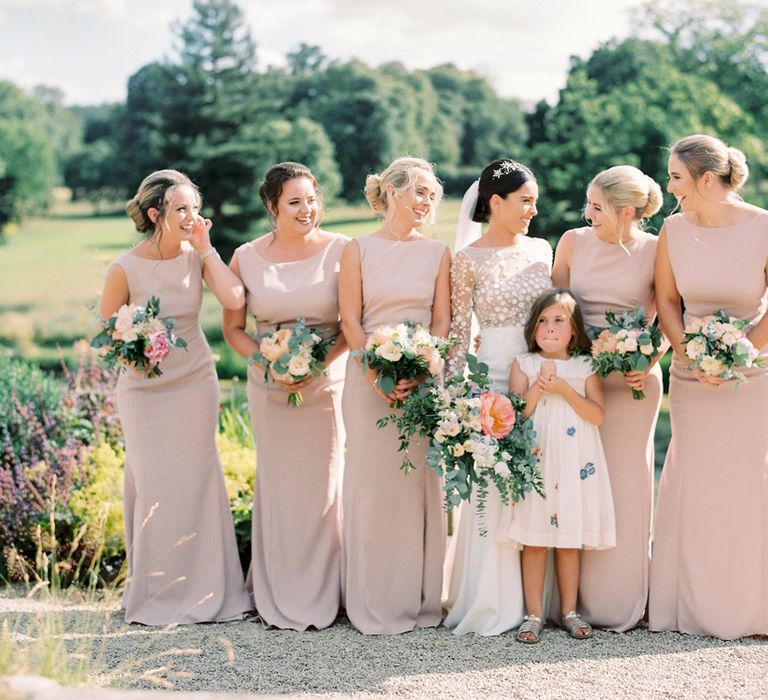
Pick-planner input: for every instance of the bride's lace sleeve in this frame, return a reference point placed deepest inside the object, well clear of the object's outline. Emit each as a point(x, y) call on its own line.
point(462, 290)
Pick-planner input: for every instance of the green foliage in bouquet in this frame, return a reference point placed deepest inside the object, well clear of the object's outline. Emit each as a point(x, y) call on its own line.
point(476, 437)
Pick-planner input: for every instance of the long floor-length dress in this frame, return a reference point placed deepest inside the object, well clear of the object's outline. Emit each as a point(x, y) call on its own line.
point(577, 508)
point(394, 524)
point(183, 564)
point(484, 591)
point(613, 585)
point(295, 575)
point(709, 572)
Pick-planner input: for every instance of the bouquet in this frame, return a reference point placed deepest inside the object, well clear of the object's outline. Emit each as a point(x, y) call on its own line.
point(627, 345)
point(405, 351)
point(718, 345)
point(137, 337)
point(477, 436)
point(292, 355)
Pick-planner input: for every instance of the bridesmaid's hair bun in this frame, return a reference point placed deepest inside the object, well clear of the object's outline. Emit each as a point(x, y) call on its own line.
point(401, 173)
point(500, 177)
point(655, 199)
point(739, 168)
point(271, 186)
point(702, 154)
point(155, 191)
point(627, 186)
point(374, 194)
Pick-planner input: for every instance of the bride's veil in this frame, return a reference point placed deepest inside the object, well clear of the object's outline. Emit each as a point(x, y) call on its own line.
point(467, 231)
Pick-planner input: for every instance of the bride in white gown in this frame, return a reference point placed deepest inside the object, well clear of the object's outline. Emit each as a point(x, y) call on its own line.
point(496, 277)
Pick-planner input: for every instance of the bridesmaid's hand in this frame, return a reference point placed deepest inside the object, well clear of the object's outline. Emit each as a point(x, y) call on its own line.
point(200, 237)
point(706, 378)
point(296, 386)
point(636, 379)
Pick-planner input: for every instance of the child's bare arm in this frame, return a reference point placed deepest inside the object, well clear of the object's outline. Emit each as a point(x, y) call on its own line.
point(590, 407)
point(518, 384)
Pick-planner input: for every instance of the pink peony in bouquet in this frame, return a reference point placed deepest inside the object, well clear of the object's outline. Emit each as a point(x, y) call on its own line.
point(476, 437)
point(137, 337)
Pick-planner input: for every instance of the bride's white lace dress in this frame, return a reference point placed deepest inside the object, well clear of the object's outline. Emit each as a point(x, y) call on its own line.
point(483, 589)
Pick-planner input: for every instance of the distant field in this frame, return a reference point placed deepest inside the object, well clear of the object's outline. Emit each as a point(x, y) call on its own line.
point(52, 269)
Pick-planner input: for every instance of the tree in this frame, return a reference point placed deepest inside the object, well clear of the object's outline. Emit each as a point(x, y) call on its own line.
point(200, 114)
point(27, 164)
point(625, 104)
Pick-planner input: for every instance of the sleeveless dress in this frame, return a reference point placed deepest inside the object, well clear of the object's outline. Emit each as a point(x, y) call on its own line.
point(613, 583)
point(484, 591)
point(295, 575)
point(709, 572)
point(183, 564)
point(394, 525)
point(577, 510)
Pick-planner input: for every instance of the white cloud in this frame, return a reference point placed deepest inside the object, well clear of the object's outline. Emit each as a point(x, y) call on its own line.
point(107, 9)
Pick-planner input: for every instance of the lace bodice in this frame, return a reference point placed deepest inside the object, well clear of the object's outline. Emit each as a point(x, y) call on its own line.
point(498, 285)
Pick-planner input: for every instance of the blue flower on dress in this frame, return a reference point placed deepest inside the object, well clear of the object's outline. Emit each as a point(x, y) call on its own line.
point(553, 521)
point(587, 470)
point(571, 431)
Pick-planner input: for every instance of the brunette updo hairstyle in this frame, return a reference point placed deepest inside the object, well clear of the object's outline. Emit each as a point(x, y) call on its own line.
point(500, 177)
point(701, 153)
point(401, 174)
point(580, 343)
point(272, 186)
point(626, 186)
point(155, 191)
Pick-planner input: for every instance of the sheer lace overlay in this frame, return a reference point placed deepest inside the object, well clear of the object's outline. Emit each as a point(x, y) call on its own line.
point(498, 285)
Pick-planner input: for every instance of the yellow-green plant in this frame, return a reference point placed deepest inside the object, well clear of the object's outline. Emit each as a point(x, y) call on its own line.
point(239, 465)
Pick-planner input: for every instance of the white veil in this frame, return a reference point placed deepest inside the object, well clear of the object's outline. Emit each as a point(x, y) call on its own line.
point(467, 231)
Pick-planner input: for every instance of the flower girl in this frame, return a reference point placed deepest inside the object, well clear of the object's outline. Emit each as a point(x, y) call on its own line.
point(566, 400)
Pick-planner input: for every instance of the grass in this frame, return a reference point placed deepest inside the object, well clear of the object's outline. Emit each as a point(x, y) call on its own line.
point(52, 270)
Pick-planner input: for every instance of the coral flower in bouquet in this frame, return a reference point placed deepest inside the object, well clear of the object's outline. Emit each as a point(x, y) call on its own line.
point(292, 355)
point(137, 337)
point(629, 344)
point(477, 437)
point(405, 351)
point(717, 345)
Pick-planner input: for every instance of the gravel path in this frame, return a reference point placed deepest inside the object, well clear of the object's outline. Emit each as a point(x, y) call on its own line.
point(432, 663)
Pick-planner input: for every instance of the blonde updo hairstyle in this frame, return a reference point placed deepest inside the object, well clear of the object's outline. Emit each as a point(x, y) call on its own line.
point(155, 191)
point(701, 154)
point(401, 174)
point(627, 186)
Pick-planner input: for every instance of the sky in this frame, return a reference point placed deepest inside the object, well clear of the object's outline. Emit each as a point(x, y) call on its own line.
point(89, 48)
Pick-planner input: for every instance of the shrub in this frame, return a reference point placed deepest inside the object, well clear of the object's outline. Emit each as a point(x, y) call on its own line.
point(238, 460)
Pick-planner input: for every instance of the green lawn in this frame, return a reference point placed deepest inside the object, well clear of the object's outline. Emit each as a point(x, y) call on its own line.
point(52, 271)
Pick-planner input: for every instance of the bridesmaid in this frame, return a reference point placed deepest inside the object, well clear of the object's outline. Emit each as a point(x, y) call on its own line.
point(608, 266)
point(394, 529)
point(182, 558)
point(495, 277)
point(710, 564)
point(292, 272)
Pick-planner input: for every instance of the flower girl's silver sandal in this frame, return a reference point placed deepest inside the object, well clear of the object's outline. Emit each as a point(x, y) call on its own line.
point(574, 623)
point(532, 625)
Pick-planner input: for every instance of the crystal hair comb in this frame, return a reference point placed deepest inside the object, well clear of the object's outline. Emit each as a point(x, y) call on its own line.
point(507, 166)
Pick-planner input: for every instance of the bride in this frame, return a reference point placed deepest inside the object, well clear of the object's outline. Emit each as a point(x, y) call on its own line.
point(496, 276)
